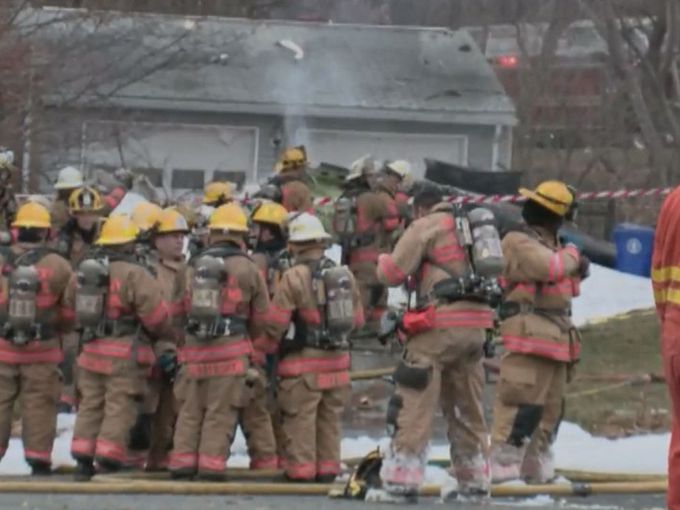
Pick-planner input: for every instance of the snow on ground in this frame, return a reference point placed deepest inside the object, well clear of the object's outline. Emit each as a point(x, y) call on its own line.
point(608, 292)
point(575, 449)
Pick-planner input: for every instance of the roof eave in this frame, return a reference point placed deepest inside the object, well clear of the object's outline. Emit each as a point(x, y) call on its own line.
point(499, 117)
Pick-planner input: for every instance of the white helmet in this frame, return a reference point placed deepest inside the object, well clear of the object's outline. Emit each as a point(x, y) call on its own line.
point(306, 227)
point(400, 167)
point(365, 165)
point(69, 178)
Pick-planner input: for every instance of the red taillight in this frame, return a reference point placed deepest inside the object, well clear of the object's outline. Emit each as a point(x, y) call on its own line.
point(507, 61)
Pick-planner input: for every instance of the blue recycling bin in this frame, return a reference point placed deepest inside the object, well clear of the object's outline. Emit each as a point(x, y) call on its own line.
point(634, 246)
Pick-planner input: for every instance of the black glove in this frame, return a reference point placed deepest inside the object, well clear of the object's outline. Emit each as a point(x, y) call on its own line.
point(167, 362)
point(584, 267)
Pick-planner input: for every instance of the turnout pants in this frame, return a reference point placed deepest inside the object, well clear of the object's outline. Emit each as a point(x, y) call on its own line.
point(311, 424)
point(671, 362)
point(206, 422)
point(528, 409)
point(256, 422)
point(107, 411)
point(373, 295)
point(38, 385)
point(162, 426)
point(69, 370)
point(440, 368)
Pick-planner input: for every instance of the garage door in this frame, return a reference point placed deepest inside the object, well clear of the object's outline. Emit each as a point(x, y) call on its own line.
point(343, 147)
point(177, 157)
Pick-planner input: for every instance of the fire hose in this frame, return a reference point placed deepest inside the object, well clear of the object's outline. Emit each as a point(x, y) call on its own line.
point(107, 486)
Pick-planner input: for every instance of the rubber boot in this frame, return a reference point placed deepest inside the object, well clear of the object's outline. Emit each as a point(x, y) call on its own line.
point(39, 468)
point(84, 471)
point(106, 466)
point(329, 478)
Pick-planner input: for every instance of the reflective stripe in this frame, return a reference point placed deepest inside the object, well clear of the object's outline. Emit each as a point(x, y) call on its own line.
point(310, 315)
point(211, 462)
point(278, 315)
point(182, 461)
point(562, 288)
point(327, 467)
point(82, 446)
point(556, 267)
point(176, 308)
point(33, 352)
point(359, 255)
point(447, 253)
point(217, 369)
point(136, 459)
point(264, 463)
point(156, 316)
point(390, 223)
point(392, 273)
point(96, 365)
point(299, 366)
point(303, 471)
point(359, 319)
point(67, 399)
point(265, 344)
point(119, 350)
point(67, 314)
point(36, 455)
point(222, 352)
point(110, 450)
point(326, 381)
point(463, 319)
point(663, 274)
point(541, 347)
point(395, 472)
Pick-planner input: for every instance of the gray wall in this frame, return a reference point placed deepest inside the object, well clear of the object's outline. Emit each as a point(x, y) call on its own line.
point(58, 139)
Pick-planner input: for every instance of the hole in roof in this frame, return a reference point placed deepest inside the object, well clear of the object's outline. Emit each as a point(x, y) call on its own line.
point(466, 48)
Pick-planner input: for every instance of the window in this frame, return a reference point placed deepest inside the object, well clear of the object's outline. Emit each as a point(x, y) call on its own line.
point(236, 177)
point(188, 179)
point(155, 175)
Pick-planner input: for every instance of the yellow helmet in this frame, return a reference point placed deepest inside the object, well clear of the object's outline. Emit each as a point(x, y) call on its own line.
point(85, 200)
point(228, 218)
point(291, 158)
point(118, 229)
point(270, 212)
point(172, 222)
point(553, 195)
point(32, 215)
point(146, 214)
point(217, 192)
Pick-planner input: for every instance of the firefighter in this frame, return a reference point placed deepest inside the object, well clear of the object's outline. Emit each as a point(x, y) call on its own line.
point(79, 233)
point(364, 221)
point(322, 302)
point(73, 241)
point(665, 280)
point(8, 203)
point(34, 313)
point(122, 182)
point(226, 304)
point(68, 180)
point(217, 193)
point(145, 215)
point(151, 439)
point(441, 366)
point(115, 298)
point(541, 276)
point(260, 420)
point(289, 186)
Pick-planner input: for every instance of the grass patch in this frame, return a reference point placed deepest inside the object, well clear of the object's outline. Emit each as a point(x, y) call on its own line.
point(627, 345)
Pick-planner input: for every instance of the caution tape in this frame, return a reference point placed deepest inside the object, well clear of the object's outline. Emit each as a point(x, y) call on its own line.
point(583, 196)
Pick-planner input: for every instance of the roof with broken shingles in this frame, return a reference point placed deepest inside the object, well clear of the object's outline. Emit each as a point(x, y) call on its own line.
point(346, 70)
